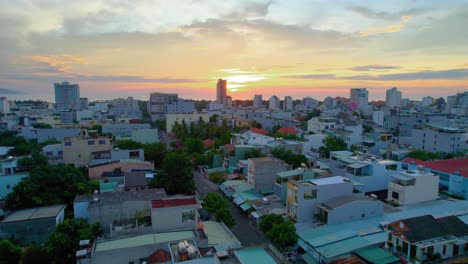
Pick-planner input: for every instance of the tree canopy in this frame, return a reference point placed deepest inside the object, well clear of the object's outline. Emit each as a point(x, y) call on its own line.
point(424, 155)
point(331, 143)
point(281, 233)
point(128, 144)
point(176, 176)
point(155, 152)
point(48, 185)
point(9, 252)
point(253, 153)
point(218, 205)
point(289, 157)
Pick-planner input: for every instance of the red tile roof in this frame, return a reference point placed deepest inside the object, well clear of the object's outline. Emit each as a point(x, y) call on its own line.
point(448, 165)
point(208, 143)
point(229, 147)
point(258, 130)
point(163, 203)
point(287, 130)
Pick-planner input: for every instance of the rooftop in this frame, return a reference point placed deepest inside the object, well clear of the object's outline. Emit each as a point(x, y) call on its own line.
point(142, 240)
point(449, 165)
point(219, 235)
point(254, 255)
point(173, 202)
point(119, 197)
point(34, 213)
point(329, 180)
point(258, 131)
point(340, 201)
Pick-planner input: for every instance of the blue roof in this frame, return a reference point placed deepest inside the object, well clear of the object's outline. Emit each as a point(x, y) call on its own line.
point(335, 240)
point(254, 256)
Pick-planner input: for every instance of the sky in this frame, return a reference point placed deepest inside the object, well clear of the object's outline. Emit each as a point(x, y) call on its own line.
point(314, 48)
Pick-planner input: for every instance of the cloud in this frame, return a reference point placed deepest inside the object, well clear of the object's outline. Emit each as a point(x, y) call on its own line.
point(8, 91)
point(452, 74)
point(386, 29)
point(382, 15)
point(102, 78)
point(374, 67)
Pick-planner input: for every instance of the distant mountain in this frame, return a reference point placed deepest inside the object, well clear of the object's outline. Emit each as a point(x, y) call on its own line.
point(8, 91)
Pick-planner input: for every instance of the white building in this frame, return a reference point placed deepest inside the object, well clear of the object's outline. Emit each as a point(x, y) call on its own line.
point(171, 119)
point(257, 101)
point(214, 106)
point(309, 103)
point(435, 138)
point(378, 117)
point(4, 106)
point(413, 186)
point(274, 103)
point(67, 96)
point(318, 124)
point(427, 101)
point(288, 103)
point(393, 98)
point(157, 104)
point(359, 96)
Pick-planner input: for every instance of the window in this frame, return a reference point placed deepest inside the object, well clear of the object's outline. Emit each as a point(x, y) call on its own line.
point(363, 215)
point(68, 143)
point(90, 142)
point(49, 153)
point(188, 216)
point(310, 194)
point(444, 249)
point(102, 142)
point(404, 166)
point(395, 195)
point(60, 153)
point(8, 186)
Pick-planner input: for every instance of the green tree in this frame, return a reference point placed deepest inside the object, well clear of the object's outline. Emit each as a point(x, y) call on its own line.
point(225, 216)
point(177, 176)
point(98, 128)
point(9, 252)
point(255, 124)
point(268, 221)
point(41, 125)
point(155, 152)
point(424, 155)
point(331, 143)
point(253, 153)
point(34, 254)
point(296, 160)
point(194, 145)
point(29, 163)
point(49, 185)
point(64, 241)
point(283, 235)
point(213, 202)
point(128, 144)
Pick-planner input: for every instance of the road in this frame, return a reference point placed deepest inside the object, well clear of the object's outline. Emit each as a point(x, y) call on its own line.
point(244, 229)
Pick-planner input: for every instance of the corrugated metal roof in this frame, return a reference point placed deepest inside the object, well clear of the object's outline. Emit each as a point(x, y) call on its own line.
point(377, 255)
point(254, 255)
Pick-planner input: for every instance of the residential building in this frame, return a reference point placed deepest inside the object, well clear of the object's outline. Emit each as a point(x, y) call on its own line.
point(214, 106)
point(378, 116)
point(257, 101)
point(32, 225)
point(180, 106)
point(288, 103)
point(118, 211)
point(171, 119)
point(4, 106)
point(157, 104)
point(393, 98)
point(427, 101)
point(309, 104)
point(117, 154)
point(127, 107)
point(281, 182)
point(274, 103)
point(174, 213)
point(348, 208)
point(79, 150)
point(452, 173)
point(10, 175)
point(221, 92)
point(369, 172)
point(108, 169)
point(420, 238)
point(318, 125)
point(459, 100)
point(228, 102)
point(67, 116)
point(135, 181)
point(84, 103)
point(53, 153)
point(413, 186)
point(435, 138)
point(359, 97)
point(261, 172)
point(119, 130)
point(145, 136)
point(303, 196)
point(67, 96)
point(326, 243)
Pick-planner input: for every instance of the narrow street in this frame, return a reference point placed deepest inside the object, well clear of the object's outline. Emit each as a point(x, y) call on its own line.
point(244, 229)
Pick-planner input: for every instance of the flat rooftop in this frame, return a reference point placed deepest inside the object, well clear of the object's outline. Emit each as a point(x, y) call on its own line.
point(119, 197)
point(328, 180)
point(142, 240)
point(34, 213)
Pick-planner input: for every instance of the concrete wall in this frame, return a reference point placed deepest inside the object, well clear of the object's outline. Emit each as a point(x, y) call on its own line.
point(262, 174)
point(8, 182)
point(355, 211)
point(125, 166)
point(170, 218)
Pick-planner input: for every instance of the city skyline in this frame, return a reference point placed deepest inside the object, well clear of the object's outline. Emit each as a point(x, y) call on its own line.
point(282, 48)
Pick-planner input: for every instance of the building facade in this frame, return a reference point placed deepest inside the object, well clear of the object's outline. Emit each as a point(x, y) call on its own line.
point(67, 96)
point(359, 96)
point(221, 92)
point(393, 98)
